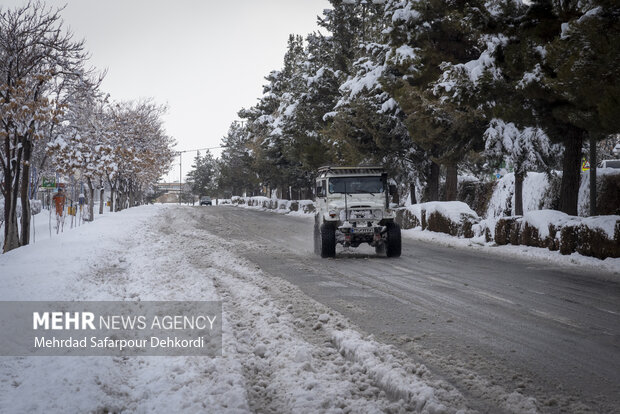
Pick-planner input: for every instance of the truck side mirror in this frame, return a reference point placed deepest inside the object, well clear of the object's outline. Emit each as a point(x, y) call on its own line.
point(320, 191)
point(392, 189)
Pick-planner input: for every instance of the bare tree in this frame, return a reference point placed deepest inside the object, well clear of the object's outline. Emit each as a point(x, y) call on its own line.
point(35, 51)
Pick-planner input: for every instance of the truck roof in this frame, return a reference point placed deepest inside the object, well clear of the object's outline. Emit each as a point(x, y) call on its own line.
point(329, 170)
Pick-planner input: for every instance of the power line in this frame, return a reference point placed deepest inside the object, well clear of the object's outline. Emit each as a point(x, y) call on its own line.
point(201, 149)
point(180, 154)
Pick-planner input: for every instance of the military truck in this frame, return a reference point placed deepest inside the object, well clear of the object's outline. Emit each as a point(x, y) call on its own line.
point(353, 207)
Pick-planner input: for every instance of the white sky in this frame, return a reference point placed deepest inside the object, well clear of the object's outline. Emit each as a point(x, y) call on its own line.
point(204, 59)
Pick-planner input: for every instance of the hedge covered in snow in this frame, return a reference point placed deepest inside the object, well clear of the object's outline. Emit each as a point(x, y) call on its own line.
point(285, 206)
point(590, 236)
point(450, 217)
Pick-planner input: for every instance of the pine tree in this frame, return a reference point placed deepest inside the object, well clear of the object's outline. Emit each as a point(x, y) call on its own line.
point(428, 38)
point(203, 179)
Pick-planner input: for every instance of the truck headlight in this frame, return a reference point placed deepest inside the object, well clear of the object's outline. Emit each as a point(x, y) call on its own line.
point(377, 214)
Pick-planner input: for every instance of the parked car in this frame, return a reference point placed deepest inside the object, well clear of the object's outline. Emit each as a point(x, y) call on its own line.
point(610, 164)
point(205, 201)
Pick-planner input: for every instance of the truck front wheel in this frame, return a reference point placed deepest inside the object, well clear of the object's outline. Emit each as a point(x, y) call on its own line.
point(393, 247)
point(328, 240)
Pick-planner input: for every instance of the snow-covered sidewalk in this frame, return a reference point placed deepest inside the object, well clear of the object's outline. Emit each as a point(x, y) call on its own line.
point(282, 351)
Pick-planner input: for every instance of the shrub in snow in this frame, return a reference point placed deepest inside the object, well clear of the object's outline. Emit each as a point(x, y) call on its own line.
point(450, 217)
point(307, 206)
point(476, 194)
point(507, 230)
point(607, 192)
point(36, 206)
point(406, 219)
point(592, 236)
point(542, 228)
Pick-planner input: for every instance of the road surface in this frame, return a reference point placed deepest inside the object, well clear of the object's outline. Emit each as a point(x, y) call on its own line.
point(480, 321)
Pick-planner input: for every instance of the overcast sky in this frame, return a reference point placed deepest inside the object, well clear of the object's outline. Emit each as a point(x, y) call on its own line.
point(204, 59)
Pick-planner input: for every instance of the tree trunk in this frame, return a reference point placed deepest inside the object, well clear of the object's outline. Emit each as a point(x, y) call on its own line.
point(412, 193)
point(112, 199)
point(433, 182)
point(91, 199)
point(571, 166)
point(11, 234)
point(25, 219)
point(101, 195)
point(11, 187)
point(519, 177)
point(451, 182)
point(592, 175)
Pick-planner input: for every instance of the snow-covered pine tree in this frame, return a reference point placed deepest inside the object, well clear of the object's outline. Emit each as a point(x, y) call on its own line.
point(235, 164)
point(586, 64)
point(426, 39)
point(525, 149)
point(367, 124)
point(204, 176)
point(551, 75)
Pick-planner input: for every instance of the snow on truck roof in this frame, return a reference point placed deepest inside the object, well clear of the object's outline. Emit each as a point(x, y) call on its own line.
point(328, 170)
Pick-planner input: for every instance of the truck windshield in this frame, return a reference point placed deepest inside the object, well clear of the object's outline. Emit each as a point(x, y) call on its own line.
point(355, 185)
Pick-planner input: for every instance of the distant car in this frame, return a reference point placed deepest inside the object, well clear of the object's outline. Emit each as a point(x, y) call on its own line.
point(205, 201)
point(610, 164)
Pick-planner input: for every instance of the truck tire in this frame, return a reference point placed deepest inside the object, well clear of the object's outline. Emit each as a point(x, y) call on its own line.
point(317, 239)
point(328, 240)
point(393, 247)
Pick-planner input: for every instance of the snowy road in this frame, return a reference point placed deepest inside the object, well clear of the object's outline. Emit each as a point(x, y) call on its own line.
point(452, 332)
point(490, 325)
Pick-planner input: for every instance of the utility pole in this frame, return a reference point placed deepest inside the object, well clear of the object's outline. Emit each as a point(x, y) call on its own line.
point(181, 165)
point(180, 176)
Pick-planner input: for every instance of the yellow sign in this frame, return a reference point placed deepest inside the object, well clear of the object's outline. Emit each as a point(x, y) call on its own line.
point(585, 166)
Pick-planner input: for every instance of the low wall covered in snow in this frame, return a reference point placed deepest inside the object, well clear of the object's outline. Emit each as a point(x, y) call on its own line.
point(591, 236)
point(286, 206)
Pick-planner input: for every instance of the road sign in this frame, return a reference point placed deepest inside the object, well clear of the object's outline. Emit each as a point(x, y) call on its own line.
point(585, 166)
point(48, 182)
